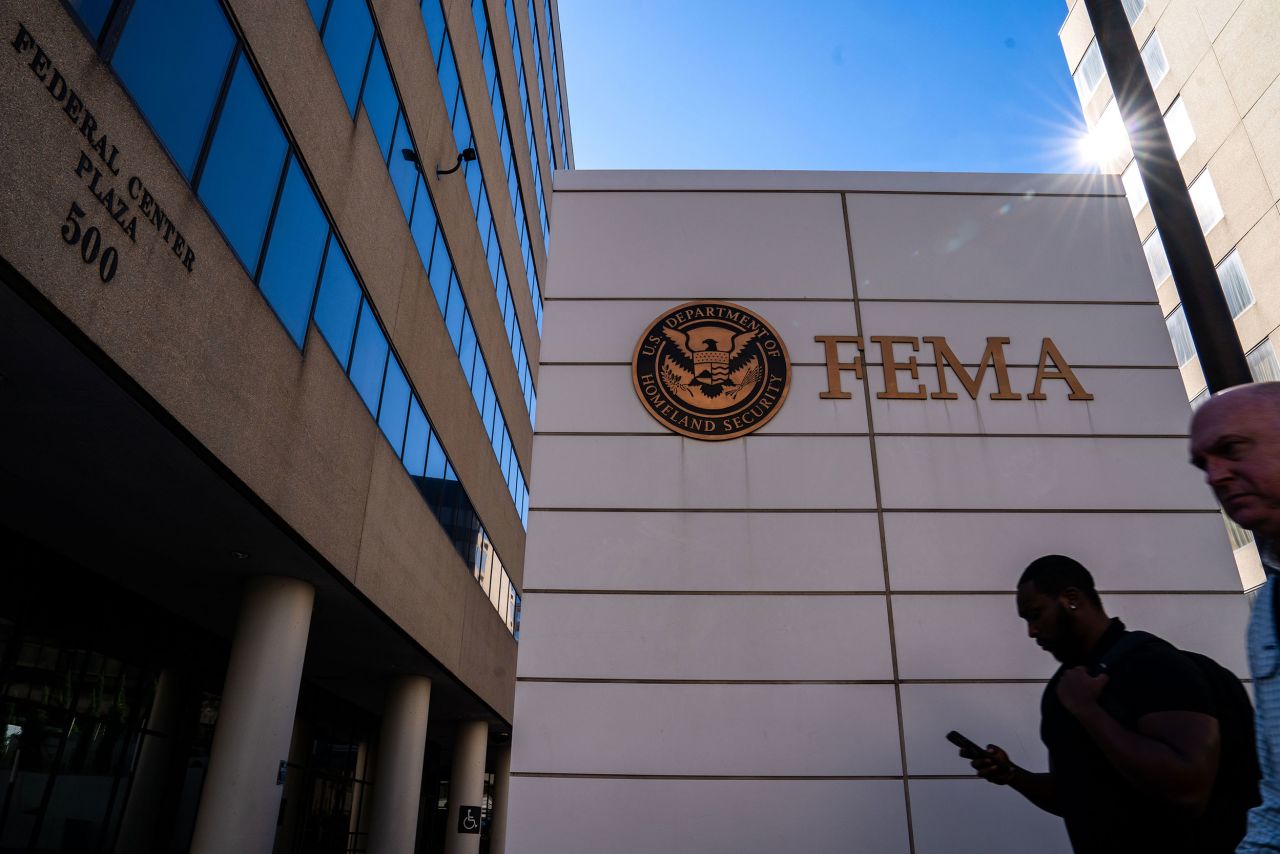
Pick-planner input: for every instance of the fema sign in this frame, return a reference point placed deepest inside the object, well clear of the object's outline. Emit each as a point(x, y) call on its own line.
point(935, 379)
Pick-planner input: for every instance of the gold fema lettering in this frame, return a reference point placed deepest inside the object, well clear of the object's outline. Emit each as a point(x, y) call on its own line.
point(993, 356)
point(830, 348)
point(1062, 371)
point(1052, 366)
point(891, 366)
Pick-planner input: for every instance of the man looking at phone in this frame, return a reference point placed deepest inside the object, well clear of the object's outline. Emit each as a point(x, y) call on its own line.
point(1132, 729)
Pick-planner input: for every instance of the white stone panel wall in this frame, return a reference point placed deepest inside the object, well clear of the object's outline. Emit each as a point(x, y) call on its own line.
point(757, 645)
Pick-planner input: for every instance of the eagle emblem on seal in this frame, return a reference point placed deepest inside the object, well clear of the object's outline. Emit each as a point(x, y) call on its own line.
point(706, 369)
point(711, 370)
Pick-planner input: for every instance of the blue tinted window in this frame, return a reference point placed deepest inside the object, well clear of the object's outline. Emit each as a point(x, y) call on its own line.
point(467, 352)
point(441, 272)
point(293, 255)
point(416, 435)
point(423, 225)
point(494, 256)
point(347, 37)
point(489, 414)
point(511, 325)
point(395, 404)
point(462, 129)
point(448, 75)
point(317, 8)
point(380, 101)
point(433, 18)
point(455, 316)
point(474, 185)
point(369, 358)
point(404, 173)
point(436, 462)
point(239, 181)
point(338, 302)
point(92, 13)
point(173, 58)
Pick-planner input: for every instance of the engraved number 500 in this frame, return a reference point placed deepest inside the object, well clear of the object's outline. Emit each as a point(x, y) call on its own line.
point(90, 240)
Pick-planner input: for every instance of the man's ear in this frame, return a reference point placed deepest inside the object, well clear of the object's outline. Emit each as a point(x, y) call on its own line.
point(1071, 597)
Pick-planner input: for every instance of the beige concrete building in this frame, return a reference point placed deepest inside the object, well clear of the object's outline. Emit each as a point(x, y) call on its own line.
point(267, 397)
point(1216, 74)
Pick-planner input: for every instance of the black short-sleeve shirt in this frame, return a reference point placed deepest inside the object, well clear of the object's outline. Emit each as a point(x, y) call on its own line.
point(1104, 813)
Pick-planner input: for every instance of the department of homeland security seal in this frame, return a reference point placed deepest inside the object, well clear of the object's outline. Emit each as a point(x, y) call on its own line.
point(711, 370)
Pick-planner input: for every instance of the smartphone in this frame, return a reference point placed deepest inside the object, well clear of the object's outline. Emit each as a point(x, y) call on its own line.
point(968, 749)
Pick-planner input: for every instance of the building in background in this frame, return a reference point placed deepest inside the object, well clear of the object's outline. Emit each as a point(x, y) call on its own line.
point(268, 384)
point(1216, 74)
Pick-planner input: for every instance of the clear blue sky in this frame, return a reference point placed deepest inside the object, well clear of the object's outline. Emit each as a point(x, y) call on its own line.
point(913, 85)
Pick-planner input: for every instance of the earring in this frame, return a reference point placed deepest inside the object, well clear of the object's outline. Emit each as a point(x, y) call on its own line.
point(1072, 607)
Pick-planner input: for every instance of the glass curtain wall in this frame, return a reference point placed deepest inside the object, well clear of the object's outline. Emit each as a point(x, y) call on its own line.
point(210, 112)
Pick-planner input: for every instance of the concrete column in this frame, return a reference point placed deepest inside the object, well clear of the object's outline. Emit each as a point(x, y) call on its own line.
point(240, 802)
point(295, 794)
point(501, 787)
point(359, 821)
point(397, 788)
point(466, 784)
point(155, 756)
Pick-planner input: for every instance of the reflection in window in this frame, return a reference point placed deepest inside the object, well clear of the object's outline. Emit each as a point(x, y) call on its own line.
point(542, 86)
point(239, 180)
point(1133, 8)
point(338, 303)
point(1089, 73)
point(1134, 190)
point(484, 33)
point(403, 168)
point(1157, 261)
point(513, 32)
point(1180, 335)
point(1235, 284)
point(1108, 141)
point(368, 358)
point(416, 436)
point(394, 409)
point(380, 101)
point(294, 253)
point(1153, 58)
point(348, 37)
point(555, 85)
point(1178, 122)
point(172, 59)
point(1204, 198)
point(1262, 362)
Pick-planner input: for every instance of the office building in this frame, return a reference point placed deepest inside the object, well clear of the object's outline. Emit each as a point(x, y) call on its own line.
point(268, 383)
point(1216, 75)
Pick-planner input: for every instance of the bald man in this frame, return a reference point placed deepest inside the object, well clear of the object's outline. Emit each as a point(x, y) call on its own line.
point(1235, 440)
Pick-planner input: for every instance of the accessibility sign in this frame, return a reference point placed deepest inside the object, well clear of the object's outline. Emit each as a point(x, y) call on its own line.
point(468, 819)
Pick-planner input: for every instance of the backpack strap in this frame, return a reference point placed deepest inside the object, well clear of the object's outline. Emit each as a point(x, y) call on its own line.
point(1128, 642)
